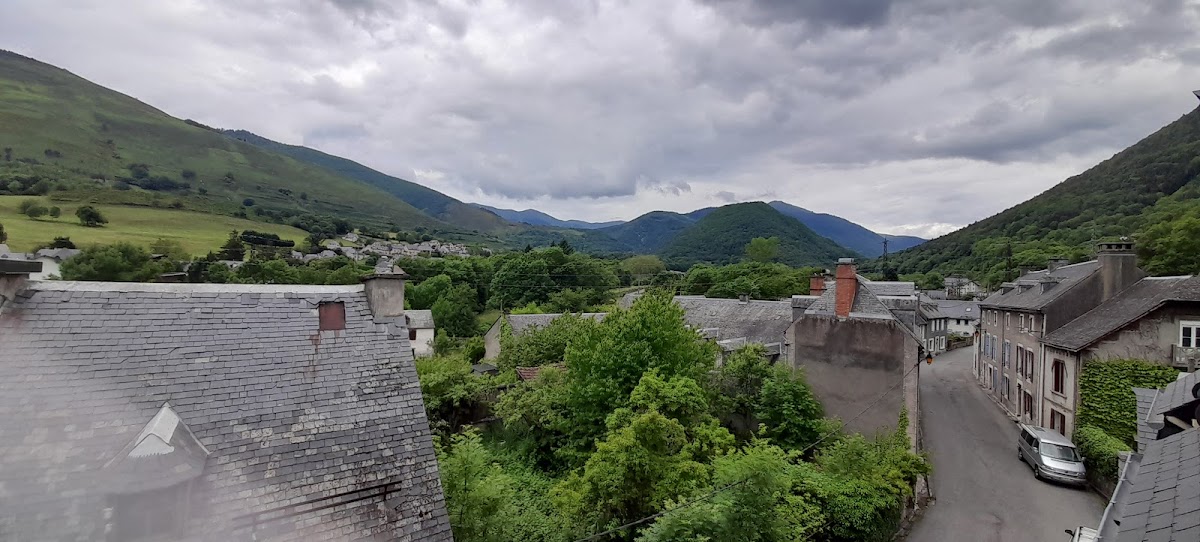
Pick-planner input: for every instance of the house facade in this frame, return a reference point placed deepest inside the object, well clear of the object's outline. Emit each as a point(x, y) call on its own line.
point(212, 412)
point(1156, 319)
point(421, 332)
point(859, 356)
point(1010, 362)
point(959, 287)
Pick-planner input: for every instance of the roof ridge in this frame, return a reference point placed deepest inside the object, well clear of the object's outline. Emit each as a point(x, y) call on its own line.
point(186, 287)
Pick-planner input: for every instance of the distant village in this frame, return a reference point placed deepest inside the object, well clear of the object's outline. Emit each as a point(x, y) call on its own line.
point(350, 245)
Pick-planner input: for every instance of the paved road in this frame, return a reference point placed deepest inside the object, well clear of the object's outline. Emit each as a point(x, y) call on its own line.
point(982, 491)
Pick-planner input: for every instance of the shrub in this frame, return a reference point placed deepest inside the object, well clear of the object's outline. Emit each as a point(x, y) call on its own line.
point(55, 212)
point(1099, 450)
point(1106, 394)
point(248, 202)
point(90, 216)
point(36, 211)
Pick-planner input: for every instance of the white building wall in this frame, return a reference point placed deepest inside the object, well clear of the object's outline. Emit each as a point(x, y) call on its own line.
point(423, 345)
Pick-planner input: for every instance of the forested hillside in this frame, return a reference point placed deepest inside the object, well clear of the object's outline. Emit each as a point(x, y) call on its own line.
point(73, 140)
point(1115, 198)
point(721, 237)
point(847, 233)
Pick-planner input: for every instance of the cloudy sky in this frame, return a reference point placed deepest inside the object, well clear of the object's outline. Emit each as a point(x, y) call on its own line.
point(908, 117)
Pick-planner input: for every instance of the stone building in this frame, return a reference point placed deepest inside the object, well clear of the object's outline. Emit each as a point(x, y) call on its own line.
point(1009, 360)
point(859, 355)
point(212, 412)
point(1156, 319)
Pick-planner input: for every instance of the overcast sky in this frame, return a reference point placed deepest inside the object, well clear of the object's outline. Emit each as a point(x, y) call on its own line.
point(907, 117)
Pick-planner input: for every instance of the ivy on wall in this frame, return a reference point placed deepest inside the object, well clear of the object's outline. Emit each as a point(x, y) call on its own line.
point(1099, 450)
point(1106, 394)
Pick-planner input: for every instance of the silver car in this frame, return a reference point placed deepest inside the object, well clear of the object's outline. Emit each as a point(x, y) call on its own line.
point(1052, 456)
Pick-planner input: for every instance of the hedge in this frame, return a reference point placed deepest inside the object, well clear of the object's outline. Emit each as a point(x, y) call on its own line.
point(1099, 450)
point(1106, 394)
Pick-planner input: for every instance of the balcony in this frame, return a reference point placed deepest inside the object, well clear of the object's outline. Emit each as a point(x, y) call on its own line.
point(1185, 358)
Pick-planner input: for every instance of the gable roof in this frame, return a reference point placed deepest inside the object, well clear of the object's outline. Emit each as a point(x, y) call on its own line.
point(164, 453)
point(1034, 298)
point(1128, 306)
point(1158, 497)
point(756, 321)
point(419, 319)
point(866, 301)
point(1176, 394)
point(289, 413)
point(959, 310)
point(522, 323)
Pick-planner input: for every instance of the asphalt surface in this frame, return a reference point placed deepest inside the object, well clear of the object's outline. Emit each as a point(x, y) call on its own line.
point(981, 491)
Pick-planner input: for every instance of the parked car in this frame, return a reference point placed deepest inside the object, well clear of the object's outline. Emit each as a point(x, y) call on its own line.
point(1051, 455)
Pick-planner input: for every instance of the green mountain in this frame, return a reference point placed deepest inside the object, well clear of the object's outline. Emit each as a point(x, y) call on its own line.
point(534, 217)
point(82, 142)
point(648, 233)
point(847, 233)
point(1112, 199)
point(432, 202)
point(722, 234)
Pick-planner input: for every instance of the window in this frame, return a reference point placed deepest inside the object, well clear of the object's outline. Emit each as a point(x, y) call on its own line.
point(1033, 323)
point(1020, 360)
point(158, 513)
point(331, 316)
point(1005, 385)
point(1060, 376)
point(1006, 354)
point(1007, 319)
point(1021, 321)
point(412, 334)
point(1058, 422)
point(941, 343)
point(1189, 334)
point(1028, 405)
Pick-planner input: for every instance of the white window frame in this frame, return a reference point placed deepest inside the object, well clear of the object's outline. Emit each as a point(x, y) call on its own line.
point(1007, 319)
point(1021, 321)
point(1194, 325)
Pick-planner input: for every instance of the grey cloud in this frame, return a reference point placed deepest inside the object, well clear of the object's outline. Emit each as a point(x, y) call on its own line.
point(725, 196)
point(849, 13)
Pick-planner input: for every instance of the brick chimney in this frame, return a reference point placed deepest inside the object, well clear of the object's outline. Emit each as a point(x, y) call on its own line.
point(385, 292)
point(846, 282)
point(1118, 267)
point(13, 275)
point(816, 284)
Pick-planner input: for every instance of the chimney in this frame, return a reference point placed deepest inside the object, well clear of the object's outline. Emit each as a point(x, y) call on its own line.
point(816, 284)
point(385, 292)
point(1118, 267)
point(846, 282)
point(1056, 262)
point(13, 275)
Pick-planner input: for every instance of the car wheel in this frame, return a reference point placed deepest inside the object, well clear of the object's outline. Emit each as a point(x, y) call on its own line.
point(1020, 454)
point(1037, 472)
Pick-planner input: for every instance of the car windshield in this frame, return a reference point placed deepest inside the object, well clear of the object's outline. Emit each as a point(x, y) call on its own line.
point(1060, 452)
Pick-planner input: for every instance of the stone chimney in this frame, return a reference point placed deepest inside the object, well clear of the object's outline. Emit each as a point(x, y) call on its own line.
point(1118, 267)
point(846, 282)
point(385, 292)
point(816, 284)
point(1056, 262)
point(13, 275)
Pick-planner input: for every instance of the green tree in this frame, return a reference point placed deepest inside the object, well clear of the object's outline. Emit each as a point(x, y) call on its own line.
point(537, 411)
point(762, 249)
point(36, 211)
point(449, 389)
point(454, 311)
point(607, 362)
point(642, 267)
point(478, 493)
point(248, 202)
point(118, 262)
point(542, 345)
point(233, 249)
point(3, 234)
point(170, 248)
point(90, 216)
point(428, 291)
point(55, 212)
point(521, 280)
point(790, 412)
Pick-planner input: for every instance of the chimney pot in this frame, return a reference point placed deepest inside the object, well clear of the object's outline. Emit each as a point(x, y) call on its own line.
point(846, 281)
point(13, 275)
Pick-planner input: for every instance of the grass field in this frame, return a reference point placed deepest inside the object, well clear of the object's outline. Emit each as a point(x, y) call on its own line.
point(199, 233)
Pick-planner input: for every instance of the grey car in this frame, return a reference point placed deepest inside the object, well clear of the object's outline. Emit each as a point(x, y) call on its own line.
point(1051, 455)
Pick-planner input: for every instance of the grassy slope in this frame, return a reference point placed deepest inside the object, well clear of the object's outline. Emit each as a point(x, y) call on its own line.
point(1104, 201)
point(198, 233)
point(430, 201)
point(721, 237)
point(99, 132)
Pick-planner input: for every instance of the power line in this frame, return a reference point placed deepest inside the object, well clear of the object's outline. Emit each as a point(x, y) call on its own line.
point(714, 492)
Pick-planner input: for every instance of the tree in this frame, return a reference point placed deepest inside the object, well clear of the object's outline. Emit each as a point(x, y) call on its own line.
point(170, 248)
point(454, 311)
point(55, 212)
point(36, 211)
point(566, 247)
point(90, 216)
point(26, 204)
point(40, 188)
point(119, 262)
point(478, 493)
point(642, 267)
point(3, 234)
point(762, 249)
point(61, 242)
point(428, 291)
point(233, 249)
point(248, 202)
point(789, 411)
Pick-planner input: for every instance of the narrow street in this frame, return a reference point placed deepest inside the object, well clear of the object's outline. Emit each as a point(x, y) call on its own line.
point(982, 491)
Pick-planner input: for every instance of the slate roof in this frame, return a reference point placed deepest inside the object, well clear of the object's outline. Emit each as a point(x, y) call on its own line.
point(960, 310)
point(1158, 498)
point(1176, 394)
point(58, 254)
point(288, 412)
point(1145, 403)
point(866, 303)
point(521, 323)
point(888, 287)
point(1130, 305)
point(1034, 298)
point(757, 321)
point(422, 319)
